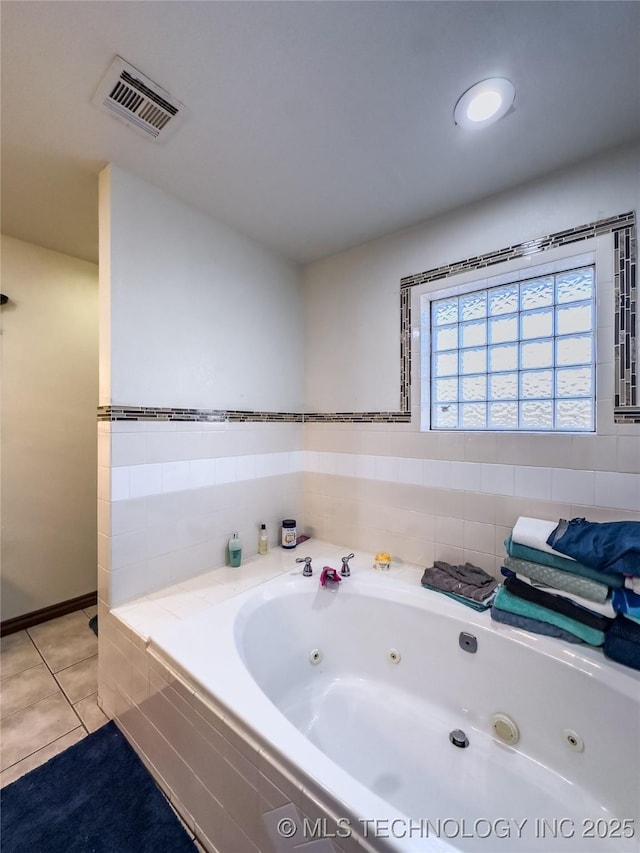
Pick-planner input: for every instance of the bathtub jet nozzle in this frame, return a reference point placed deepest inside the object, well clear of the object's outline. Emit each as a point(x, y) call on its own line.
point(458, 738)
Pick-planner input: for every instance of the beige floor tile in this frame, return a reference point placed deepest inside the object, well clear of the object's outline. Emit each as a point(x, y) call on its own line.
point(65, 641)
point(26, 687)
point(27, 731)
point(17, 653)
point(91, 611)
point(41, 756)
point(80, 680)
point(88, 711)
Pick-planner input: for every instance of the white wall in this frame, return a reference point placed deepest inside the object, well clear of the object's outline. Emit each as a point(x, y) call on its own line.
point(49, 397)
point(455, 495)
point(192, 315)
point(200, 316)
point(352, 299)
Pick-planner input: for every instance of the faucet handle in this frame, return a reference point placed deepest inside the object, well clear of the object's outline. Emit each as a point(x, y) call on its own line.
point(345, 571)
point(307, 571)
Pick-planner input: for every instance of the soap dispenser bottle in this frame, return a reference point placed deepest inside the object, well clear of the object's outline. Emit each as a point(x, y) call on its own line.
point(235, 551)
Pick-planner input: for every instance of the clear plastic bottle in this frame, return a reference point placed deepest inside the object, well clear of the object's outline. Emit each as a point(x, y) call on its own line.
point(235, 551)
point(263, 542)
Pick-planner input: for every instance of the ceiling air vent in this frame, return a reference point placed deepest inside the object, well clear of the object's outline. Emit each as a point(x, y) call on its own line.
point(126, 94)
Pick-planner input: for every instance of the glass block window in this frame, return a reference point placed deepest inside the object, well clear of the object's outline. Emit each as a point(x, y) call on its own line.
point(519, 356)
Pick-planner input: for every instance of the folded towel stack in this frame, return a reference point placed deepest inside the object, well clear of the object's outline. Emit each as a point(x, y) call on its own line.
point(596, 567)
point(467, 584)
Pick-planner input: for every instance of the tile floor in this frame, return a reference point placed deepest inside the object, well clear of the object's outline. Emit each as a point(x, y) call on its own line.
point(48, 691)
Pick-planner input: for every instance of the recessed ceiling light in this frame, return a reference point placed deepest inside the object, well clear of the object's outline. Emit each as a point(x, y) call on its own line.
point(484, 103)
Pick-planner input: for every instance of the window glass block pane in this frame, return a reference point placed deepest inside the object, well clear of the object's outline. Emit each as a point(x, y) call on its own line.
point(503, 357)
point(473, 360)
point(444, 311)
point(503, 300)
point(503, 415)
point(473, 306)
point(446, 337)
point(444, 417)
point(473, 388)
point(473, 334)
point(574, 382)
point(575, 285)
point(574, 414)
point(445, 364)
point(536, 324)
point(574, 350)
point(446, 390)
point(574, 318)
point(536, 354)
point(473, 415)
point(536, 383)
point(536, 414)
point(503, 386)
point(503, 329)
point(537, 293)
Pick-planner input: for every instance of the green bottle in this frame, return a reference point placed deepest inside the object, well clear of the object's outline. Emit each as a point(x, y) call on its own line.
point(235, 551)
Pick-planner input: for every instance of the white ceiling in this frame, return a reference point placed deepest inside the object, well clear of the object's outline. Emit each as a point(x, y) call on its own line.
point(312, 126)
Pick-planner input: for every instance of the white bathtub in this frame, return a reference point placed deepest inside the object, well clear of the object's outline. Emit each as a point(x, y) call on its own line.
point(370, 721)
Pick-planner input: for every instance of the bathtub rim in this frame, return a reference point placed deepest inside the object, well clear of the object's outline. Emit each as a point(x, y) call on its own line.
point(321, 777)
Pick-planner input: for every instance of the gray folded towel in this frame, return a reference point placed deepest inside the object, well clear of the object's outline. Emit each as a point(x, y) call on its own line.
point(467, 573)
point(468, 581)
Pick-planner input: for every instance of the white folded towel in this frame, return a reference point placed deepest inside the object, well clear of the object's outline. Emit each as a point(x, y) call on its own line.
point(534, 532)
point(633, 584)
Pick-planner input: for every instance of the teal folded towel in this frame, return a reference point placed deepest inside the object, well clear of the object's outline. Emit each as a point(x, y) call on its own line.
point(504, 600)
point(559, 579)
point(523, 552)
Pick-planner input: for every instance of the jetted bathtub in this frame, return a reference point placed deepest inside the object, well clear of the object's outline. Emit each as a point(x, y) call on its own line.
point(361, 685)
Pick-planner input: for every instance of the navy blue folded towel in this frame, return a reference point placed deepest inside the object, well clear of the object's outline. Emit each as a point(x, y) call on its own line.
point(622, 642)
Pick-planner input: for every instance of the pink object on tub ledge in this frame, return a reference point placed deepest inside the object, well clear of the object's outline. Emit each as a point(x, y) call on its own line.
point(329, 575)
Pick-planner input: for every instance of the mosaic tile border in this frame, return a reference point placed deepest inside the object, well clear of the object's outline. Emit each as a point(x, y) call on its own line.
point(623, 228)
point(156, 413)
point(627, 408)
point(150, 413)
point(520, 250)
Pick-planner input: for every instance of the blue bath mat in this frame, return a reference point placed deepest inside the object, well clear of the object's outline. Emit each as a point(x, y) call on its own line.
point(95, 797)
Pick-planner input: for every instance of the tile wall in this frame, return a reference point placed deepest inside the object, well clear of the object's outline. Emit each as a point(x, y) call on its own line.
point(171, 493)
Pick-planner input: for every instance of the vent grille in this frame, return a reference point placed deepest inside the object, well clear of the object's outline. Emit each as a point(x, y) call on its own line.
point(130, 96)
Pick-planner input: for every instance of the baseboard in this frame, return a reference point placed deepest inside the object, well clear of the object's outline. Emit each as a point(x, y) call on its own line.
point(28, 620)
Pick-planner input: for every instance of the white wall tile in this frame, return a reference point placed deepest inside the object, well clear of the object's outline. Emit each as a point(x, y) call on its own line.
point(572, 486)
point(145, 480)
point(226, 470)
point(345, 464)
point(366, 466)
point(202, 472)
point(497, 479)
point(128, 448)
point(387, 469)
point(175, 476)
point(620, 491)
point(436, 472)
point(465, 476)
point(120, 484)
point(410, 471)
point(128, 548)
point(532, 482)
point(128, 515)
